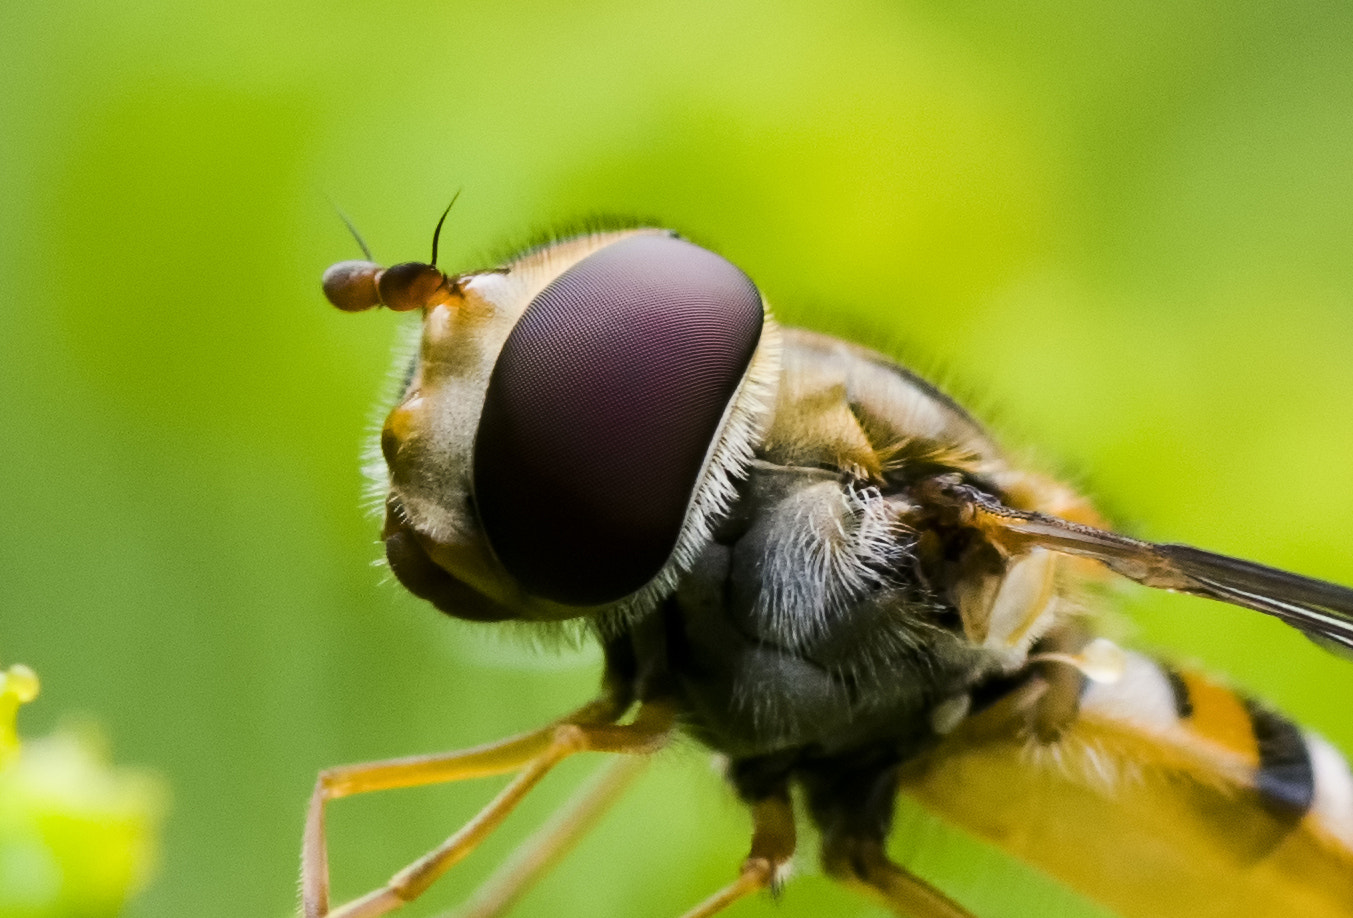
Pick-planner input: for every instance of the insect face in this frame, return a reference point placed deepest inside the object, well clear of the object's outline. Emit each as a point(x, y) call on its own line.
point(570, 420)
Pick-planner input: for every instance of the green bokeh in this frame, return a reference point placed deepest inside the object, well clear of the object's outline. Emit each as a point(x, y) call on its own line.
point(1125, 234)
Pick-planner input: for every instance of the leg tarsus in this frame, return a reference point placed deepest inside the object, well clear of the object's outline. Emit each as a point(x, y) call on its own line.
point(773, 840)
point(755, 876)
point(862, 862)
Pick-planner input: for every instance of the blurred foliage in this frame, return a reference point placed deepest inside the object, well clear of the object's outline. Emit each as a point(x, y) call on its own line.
point(77, 836)
point(1122, 232)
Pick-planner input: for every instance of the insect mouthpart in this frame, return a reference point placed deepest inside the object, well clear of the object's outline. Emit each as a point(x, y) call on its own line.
point(414, 567)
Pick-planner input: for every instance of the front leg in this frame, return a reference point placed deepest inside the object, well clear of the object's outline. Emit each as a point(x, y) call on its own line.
point(591, 728)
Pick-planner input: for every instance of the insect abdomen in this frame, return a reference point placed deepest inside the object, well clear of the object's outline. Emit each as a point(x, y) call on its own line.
point(1170, 795)
point(1292, 771)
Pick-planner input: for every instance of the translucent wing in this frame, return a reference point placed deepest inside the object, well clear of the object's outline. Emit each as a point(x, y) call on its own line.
point(1322, 611)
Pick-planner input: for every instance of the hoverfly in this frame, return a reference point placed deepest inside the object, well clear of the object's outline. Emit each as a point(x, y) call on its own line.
point(816, 564)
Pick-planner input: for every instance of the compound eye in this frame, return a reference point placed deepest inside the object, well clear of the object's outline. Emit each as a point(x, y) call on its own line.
point(601, 411)
point(351, 285)
point(412, 285)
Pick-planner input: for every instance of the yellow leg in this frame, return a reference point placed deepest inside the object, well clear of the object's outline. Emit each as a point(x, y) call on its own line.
point(588, 729)
point(551, 843)
point(863, 863)
point(772, 847)
point(1059, 706)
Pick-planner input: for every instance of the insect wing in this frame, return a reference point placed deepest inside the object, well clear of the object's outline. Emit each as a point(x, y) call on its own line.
point(1322, 611)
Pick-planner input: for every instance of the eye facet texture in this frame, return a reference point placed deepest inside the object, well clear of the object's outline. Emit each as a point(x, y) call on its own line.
point(601, 410)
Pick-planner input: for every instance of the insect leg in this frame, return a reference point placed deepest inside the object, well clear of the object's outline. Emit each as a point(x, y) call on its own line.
point(772, 847)
point(1059, 705)
point(551, 842)
point(414, 771)
point(862, 862)
point(588, 729)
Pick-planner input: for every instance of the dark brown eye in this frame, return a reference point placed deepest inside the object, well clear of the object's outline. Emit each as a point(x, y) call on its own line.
point(601, 411)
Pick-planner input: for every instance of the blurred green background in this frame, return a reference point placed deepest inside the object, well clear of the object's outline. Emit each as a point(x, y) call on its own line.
point(1123, 233)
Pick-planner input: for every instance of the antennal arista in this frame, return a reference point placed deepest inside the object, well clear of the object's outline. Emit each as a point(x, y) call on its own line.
point(354, 286)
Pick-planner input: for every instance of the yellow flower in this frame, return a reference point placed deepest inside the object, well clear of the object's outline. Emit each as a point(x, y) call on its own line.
point(78, 837)
point(18, 685)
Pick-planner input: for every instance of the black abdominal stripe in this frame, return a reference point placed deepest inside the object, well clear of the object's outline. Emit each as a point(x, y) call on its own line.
point(1296, 772)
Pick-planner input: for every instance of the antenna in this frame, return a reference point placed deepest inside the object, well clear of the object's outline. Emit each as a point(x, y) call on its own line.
point(438, 231)
point(352, 229)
